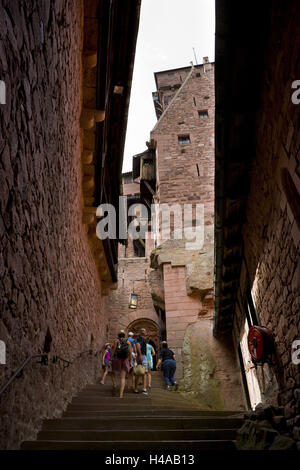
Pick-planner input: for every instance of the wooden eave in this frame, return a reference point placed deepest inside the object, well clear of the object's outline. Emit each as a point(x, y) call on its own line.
point(109, 39)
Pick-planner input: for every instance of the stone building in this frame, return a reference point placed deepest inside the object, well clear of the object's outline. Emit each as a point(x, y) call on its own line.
point(67, 67)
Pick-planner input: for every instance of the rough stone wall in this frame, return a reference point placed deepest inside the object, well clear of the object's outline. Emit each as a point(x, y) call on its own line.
point(171, 77)
point(133, 276)
point(48, 275)
point(211, 372)
point(126, 251)
point(271, 233)
point(181, 310)
point(207, 366)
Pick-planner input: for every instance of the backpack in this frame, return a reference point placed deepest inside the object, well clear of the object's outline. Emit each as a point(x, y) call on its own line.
point(122, 349)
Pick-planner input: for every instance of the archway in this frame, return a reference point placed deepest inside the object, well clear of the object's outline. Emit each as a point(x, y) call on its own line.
point(152, 332)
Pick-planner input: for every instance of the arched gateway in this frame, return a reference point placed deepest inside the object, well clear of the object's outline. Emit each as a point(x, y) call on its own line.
point(152, 332)
point(150, 326)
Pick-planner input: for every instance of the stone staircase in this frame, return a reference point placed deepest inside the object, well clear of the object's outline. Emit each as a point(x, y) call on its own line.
point(161, 420)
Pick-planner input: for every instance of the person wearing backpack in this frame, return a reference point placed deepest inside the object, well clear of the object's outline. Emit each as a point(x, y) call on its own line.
point(121, 360)
point(141, 348)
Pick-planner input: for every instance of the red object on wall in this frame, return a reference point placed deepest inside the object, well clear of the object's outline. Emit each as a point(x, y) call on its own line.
point(260, 343)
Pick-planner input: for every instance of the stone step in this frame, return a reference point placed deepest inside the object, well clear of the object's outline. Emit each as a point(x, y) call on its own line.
point(129, 407)
point(110, 401)
point(132, 400)
point(154, 446)
point(154, 423)
point(146, 435)
point(121, 405)
point(169, 396)
point(159, 411)
point(154, 383)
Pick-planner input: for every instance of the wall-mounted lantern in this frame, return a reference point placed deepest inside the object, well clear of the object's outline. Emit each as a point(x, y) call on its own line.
point(133, 301)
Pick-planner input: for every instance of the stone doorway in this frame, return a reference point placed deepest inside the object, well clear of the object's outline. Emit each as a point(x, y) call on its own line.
point(152, 332)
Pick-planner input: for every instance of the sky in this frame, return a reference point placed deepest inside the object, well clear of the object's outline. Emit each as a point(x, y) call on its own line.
point(168, 32)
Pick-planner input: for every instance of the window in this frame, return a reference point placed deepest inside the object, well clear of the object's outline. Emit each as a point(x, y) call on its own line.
point(251, 313)
point(139, 248)
point(167, 100)
point(203, 114)
point(184, 139)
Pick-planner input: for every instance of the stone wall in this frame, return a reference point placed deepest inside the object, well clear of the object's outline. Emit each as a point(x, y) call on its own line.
point(48, 277)
point(133, 276)
point(185, 173)
point(181, 309)
point(207, 367)
point(272, 232)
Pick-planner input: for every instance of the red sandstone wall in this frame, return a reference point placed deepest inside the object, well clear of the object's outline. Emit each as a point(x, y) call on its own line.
point(179, 179)
point(48, 276)
point(207, 365)
point(271, 234)
point(171, 77)
point(185, 174)
point(131, 188)
point(181, 309)
point(133, 274)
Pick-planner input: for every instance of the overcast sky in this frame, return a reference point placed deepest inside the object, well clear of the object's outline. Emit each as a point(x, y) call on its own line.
point(169, 29)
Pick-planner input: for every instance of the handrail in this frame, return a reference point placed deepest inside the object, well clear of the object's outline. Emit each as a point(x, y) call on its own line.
point(44, 361)
point(19, 371)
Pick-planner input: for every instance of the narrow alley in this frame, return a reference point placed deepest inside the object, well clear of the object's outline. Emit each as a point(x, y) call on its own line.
point(181, 260)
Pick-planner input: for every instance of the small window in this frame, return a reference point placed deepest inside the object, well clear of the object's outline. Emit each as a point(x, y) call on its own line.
point(167, 100)
point(170, 74)
point(184, 139)
point(203, 114)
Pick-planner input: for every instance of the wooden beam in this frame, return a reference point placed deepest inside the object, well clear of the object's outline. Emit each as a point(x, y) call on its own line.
point(89, 117)
point(90, 59)
point(89, 170)
point(88, 218)
point(88, 184)
point(87, 156)
point(89, 139)
point(90, 210)
point(149, 187)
